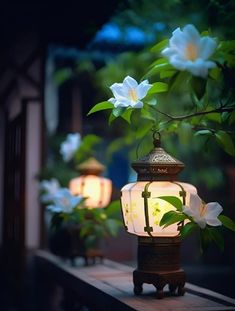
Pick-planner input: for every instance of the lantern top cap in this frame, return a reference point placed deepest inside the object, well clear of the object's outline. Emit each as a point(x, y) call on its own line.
point(157, 164)
point(91, 167)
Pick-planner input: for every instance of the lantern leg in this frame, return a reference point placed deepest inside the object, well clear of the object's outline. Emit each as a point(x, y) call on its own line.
point(138, 288)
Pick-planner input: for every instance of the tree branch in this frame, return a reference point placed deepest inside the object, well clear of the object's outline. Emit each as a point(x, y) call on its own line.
point(200, 113)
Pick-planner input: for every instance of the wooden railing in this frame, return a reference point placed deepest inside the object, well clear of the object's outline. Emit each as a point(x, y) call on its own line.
point(108, 286)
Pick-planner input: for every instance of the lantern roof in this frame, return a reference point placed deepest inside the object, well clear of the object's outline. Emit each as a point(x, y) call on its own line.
point(91, 167)
point(157, 164)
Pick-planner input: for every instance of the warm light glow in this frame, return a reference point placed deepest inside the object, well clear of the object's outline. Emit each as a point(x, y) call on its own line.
point(97, 189)
point(133, 206)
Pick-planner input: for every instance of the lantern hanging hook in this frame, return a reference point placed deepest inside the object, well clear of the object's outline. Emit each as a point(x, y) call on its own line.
point(156, 139)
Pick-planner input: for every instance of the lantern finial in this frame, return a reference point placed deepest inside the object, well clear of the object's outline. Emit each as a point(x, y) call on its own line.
point(156, 140)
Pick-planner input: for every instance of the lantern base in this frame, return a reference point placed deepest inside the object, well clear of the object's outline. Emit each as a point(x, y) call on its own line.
point(90, 256)
point(158, 264)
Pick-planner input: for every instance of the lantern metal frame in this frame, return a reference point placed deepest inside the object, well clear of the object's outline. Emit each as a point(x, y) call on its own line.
point(158, 258)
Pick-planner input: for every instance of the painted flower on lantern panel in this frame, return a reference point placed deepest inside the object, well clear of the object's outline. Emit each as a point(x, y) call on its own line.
point(129, 93)
point(189, 51)
point(70, 146)
point(156, 213)
point(64, 202)
point(203, 214)
point(50, 187)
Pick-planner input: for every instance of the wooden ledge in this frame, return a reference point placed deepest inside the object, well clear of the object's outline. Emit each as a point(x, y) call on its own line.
point(108, 286)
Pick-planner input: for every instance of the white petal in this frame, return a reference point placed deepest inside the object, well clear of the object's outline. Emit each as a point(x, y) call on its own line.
point(168, 52)
point(201, 222)
point(191, 34)
point(206, 47)
point(177, 62)
point(118, 90)
point(195, 203)
point(122, 103)
point(130, 83)
point(214, 222)
point(138, 104)
point(142, 89)
point(213, 209)
point(197, 68)
point(112, 100)
point(178, 39)
point(188, 211)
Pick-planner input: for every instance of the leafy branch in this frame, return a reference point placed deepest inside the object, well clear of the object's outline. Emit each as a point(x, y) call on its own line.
point(195, 114)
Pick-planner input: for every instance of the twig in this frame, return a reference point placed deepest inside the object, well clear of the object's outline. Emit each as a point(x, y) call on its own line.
point(201, 113)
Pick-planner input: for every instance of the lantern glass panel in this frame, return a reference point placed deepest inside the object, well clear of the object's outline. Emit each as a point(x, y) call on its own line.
point(96, 189)
point(134, 211)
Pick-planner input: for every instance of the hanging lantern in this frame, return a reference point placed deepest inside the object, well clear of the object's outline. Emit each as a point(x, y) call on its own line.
point(158, 248)
point(91, 185)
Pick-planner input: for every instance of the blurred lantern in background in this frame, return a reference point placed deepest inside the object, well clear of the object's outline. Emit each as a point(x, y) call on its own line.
point(158, 247)
point(91, 185)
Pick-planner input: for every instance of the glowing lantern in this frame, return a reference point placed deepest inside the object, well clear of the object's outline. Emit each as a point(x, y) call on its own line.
point(95, 188)
point(158, 248)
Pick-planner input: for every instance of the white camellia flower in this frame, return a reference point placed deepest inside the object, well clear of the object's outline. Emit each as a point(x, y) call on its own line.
point(50, 187)
point(64, 202)
point(70, 146)
point(189, 51)
point(129, 93)
point(203, 214)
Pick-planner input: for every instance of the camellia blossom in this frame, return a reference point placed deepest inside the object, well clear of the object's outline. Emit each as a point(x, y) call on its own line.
point(49, 187)
point(203, 214)
point(129, 93)
point(64, 202)
point(189, 51)
point(70, 146)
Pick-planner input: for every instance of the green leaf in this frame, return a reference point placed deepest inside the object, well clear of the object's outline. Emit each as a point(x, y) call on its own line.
point(205, 239)
point(158, 87)
point(91, 241)
point(227, 222)
point(205, 33)
point(151, 102)
point(118, 111)
point(160, 46)
point(199, 86)
point(172, 217)
point(111, 118)
point(217, 237)
point(203, 132)
point(232, 118)
point(113, 209)
point(145, 114)
point(185, 133)
point(176, 202)
point(215, 73)
point(226, 142)
point(143, 129)
point(126, 115)
point(216, 117)
point(101, 106)
point(112, 226)
point(167, 74)
point(187, 229)
point(158, 68)
point(179, 81)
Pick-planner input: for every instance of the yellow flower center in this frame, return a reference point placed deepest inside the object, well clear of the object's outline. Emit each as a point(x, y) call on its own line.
point(191, 52)
point(132, 94)
point(202, 210)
